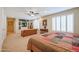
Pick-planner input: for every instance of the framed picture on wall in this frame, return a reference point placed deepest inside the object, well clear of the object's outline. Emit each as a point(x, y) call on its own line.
point(22, 23)
point(44, 22)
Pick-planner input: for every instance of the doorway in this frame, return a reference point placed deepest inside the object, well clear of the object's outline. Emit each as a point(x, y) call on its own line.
point(10, 25)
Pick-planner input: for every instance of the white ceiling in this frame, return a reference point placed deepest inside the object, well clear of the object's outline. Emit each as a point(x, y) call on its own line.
point(21, 12)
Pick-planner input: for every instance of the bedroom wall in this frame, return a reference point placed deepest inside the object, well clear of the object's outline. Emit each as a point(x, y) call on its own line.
point(2, 26)
point(76, 27)
point(49, 22)
point(14, 13)
point(75, 11)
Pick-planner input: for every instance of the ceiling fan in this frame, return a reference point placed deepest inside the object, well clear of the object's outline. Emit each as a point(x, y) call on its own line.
point(32, 13)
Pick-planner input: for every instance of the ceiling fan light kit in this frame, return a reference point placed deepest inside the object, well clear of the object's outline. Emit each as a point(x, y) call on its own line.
point(32, 13)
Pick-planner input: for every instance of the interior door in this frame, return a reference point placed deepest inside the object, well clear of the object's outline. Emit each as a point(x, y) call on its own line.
point(10, 25)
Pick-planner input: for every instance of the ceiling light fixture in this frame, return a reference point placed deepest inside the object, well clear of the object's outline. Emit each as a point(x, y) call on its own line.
point(32, 15)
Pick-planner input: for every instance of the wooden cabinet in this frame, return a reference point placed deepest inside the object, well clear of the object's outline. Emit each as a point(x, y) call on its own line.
point(28, 32)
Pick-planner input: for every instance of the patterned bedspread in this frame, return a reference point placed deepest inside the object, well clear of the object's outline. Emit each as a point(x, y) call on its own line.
point(58, 42)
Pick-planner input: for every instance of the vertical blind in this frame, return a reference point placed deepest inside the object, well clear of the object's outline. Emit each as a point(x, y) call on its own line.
point(64, 23)
point(58, 24)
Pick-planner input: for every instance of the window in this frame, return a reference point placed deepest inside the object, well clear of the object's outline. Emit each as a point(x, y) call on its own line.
point(53, 24)
point(63, 23)
point(58, 28)
point(36, 24)
point(70, 23)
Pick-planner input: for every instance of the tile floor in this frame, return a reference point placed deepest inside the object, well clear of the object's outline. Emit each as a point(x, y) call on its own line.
point(15, 43)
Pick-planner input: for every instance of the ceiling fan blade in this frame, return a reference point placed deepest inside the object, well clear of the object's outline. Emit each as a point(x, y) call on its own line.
point(36, 13)
point(28, 14)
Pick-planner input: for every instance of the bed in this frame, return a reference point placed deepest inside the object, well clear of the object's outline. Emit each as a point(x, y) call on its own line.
point(54, 42)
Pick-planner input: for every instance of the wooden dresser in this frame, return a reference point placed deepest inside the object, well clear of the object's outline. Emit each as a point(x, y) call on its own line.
point(43, 31)
point(28, 32)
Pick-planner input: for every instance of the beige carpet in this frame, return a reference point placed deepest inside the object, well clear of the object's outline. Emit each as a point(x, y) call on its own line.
point(15, 43)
